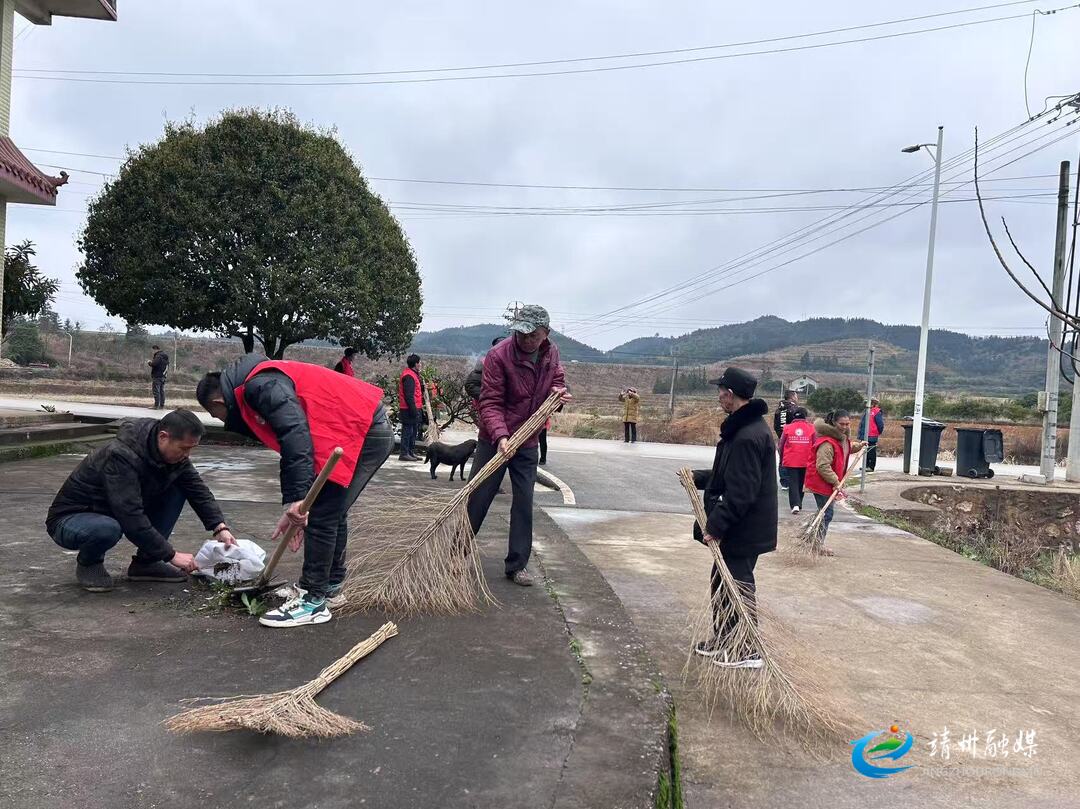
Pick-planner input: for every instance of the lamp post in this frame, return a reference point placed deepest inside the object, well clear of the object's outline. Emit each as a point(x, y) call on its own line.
point(924, 332)
point(71, 340)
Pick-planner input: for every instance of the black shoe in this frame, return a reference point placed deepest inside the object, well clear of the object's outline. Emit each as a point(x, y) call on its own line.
point(155, 571)
point(93, 578)
point(543, 461)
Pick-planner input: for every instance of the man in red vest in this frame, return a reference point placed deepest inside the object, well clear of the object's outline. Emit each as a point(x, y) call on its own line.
point(410, 406)
point(304, 411)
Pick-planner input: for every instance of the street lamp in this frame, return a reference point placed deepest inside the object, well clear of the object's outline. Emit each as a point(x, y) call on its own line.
point(71, 341)
point(924, 332)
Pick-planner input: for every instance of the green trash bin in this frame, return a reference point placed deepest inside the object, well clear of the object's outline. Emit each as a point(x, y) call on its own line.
point(928, 446)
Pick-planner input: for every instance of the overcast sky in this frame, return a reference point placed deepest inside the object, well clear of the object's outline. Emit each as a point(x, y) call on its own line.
point(812, 119)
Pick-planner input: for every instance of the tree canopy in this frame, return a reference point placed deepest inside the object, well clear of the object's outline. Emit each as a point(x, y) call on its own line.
point(253, 227)
point(27, 293)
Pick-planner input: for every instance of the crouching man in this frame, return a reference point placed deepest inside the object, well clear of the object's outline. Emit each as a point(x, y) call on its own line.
point(135, 486)
point(304, 412)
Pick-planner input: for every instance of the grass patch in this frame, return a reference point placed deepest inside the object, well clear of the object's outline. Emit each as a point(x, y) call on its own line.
point(1003, 547)
point(669, 791)
point(222, 599)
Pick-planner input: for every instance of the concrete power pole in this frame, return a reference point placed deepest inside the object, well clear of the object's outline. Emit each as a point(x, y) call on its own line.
point(674, 380)
point(1053, 360)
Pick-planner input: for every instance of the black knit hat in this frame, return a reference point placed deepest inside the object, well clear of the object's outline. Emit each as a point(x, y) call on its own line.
point(740, 382)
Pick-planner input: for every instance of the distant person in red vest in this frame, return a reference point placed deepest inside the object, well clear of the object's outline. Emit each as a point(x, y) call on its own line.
point(877, 427)
point(344, 365)
point(796, 453)
point(410, 406)
point(304, 411)
point(832, 448)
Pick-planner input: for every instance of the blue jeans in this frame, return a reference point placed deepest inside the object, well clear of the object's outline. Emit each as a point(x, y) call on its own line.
point(408, 438)
point(93, 535)
point(821, 500)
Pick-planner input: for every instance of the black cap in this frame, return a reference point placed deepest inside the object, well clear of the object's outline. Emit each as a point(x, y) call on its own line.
point(740, 382)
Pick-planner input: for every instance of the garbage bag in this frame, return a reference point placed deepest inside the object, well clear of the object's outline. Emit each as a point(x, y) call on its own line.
point(231, 564)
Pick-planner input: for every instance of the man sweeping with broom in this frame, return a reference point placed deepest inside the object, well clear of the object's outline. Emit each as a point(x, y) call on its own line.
point(740, 500)
point(518, 375)
point(304, 412)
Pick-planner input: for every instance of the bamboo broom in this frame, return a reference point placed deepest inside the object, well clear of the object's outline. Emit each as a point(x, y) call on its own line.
point(435, 432)
point(762, 698)
point(811, 542)
point(287, 713)
point(398, 571)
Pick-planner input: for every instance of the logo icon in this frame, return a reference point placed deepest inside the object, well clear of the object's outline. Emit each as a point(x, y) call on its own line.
point(893, 747)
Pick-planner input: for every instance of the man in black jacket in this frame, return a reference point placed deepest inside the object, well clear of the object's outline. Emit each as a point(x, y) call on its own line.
point(135, 486)
point(159, 370)
point(785, 413)
point(740, 498)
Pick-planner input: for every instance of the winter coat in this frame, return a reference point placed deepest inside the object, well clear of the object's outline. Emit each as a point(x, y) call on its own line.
point(120, 478)
point(832, 448)
point(740, 491)
point(159, 365)
point(302, 411)
point(514, 388)
point(345, 366)
point(877, 423)
point(631, 408)
point(797, 444)
point(410, 397)
point(783, 415)
point(474, 381)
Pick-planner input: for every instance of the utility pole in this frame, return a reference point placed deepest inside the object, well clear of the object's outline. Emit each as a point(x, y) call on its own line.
point(1072, 470)
point(866, 412)
point(924, 333)
point(674, 379)
point(176, 353)
point(1049, 403)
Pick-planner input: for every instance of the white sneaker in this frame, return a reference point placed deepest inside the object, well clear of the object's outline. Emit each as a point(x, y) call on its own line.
point(298, 612)
point(795, 509)
point(751, 661)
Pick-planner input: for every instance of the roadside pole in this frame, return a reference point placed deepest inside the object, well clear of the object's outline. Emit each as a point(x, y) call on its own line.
point(1053, 360)
point(674, 380)
point(866, 412)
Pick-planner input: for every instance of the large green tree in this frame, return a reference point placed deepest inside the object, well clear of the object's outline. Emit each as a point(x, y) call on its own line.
point(27, 293)
point(253, 227)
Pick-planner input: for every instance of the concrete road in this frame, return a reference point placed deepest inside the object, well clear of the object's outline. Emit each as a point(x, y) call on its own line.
point(901, 631)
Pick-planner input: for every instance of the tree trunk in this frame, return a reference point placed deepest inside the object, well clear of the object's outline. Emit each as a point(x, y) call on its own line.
point(248, 340)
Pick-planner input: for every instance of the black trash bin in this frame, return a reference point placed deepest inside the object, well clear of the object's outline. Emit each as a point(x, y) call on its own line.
point(976, 449)
point(928, 447)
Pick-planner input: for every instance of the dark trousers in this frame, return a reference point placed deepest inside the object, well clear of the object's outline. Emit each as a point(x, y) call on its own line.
point(630, 431)
point(871, 456)
point(742, 570)
point(796, 477)
point(821, 500)
point(93, 535)
point(157, 385)
point(543, 445)
point(522, 480)
point(785, 480)
point(409, 431)
point(327, 532)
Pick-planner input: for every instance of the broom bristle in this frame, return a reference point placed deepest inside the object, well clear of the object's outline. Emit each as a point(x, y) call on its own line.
point(438, 571)
point(766, 699)
point(285, 713)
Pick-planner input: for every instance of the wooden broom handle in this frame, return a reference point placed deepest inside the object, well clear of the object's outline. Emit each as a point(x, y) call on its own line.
point(305, 507)
point(523, 434)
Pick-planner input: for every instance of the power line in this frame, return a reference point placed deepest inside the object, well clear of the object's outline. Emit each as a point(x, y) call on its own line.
point(27, 75)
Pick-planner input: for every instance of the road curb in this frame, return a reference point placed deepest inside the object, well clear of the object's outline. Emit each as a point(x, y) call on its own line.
point(550, 481)
point(621, 746)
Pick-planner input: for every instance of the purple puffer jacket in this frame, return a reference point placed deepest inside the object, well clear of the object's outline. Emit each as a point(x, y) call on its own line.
point(513, 389)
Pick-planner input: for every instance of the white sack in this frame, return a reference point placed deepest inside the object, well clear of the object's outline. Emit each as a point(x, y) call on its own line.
point(233, 564)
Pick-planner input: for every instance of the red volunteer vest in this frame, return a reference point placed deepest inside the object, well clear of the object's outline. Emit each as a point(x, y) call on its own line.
point(798, 444)
point(814, 482)
point(418, 391)
point(339, 410)
point(874, 431)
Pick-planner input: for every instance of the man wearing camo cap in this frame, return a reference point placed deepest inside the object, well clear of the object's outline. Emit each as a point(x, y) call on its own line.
point(519, 374)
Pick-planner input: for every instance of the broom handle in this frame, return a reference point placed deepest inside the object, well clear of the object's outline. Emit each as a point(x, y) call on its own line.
point(305, 507)
point(430, 414)
point(344, 663)
point(520, 436)
point(852, 463)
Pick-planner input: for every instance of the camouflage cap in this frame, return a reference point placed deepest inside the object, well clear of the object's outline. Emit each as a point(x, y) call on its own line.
point(529, 318)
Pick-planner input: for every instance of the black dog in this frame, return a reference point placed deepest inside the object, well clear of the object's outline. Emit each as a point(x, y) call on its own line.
point(455, 456)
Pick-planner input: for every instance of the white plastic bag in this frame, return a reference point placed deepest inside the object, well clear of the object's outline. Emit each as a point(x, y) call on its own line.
point(231, 564)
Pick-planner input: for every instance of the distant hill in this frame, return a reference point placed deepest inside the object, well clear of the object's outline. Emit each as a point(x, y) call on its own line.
point(790, 348)
point(468, 341)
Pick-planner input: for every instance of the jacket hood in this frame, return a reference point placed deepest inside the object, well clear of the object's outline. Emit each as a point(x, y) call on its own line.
point(747, 414)
point(822, 427)
point(234, 375)
point(136, 435)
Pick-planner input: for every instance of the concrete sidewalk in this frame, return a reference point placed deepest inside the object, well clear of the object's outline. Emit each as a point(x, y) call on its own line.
point(480, 710)
point(907, 632)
